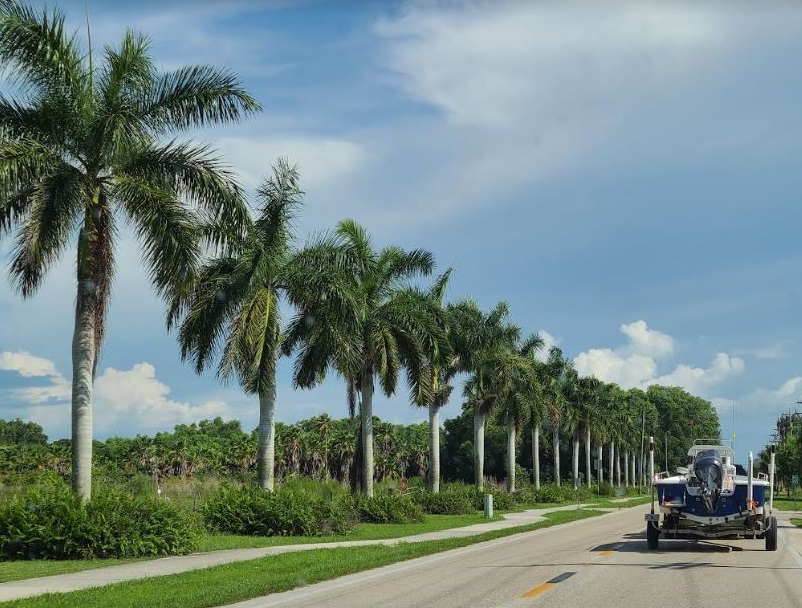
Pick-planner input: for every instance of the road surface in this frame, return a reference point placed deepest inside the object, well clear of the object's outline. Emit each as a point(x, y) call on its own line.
point(597, 563)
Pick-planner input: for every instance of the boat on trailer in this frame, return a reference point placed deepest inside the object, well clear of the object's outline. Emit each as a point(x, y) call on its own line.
point(708, 499)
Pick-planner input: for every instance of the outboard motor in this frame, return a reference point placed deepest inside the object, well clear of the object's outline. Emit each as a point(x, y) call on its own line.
point(708, 469)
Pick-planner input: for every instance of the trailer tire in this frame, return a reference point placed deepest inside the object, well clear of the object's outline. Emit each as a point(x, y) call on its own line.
point(771, 533)
point(652, 535)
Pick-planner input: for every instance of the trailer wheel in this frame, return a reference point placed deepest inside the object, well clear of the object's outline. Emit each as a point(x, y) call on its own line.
point(652, 535)
point(771, 533)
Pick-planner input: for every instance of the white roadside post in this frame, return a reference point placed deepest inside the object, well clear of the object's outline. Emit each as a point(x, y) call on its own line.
point(488, 506)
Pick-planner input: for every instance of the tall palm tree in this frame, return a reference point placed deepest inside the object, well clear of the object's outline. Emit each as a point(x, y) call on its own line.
point(442, 365)
point(233, 306)
point(514, 376)
point(85, 146)
point(480, 340)
point(388, 331)
point(555, 382)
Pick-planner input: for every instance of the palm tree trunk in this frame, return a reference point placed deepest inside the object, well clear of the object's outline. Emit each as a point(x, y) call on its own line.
point(266, 449)
point(626, 468)
point(588, 470)
point(536, 455)
point(510, 454)
point(479, 448)
point(575, 460)
point(600, 468)
point(366, 418)
point(434, 449)
point(612, 460)
point(556, 447)
point(618, 467)
point(83, 364)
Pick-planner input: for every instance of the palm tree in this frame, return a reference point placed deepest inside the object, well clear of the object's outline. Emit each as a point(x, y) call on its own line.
point(586, 394)
point(514, 378)
point(556, 375)
point(387, 332)
point(233, 306)
point(441, 367)
point(84, 147)
point(479, 338)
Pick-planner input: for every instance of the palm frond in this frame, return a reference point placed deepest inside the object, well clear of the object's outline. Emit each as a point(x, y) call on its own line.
point(196, 96)
point(192, 172)
point(166, 228)
point(55, 204)
point(37, 50)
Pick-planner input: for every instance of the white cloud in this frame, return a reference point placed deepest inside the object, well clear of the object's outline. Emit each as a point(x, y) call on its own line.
point(648, 342)
point(493, 63)
point(699, 380)
point(548, 341)
point(26, 364)
point(635, 364)
point(134, 400)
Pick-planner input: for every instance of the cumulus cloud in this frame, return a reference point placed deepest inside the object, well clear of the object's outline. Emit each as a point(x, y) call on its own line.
point(134, 399)
point(26, 364)
point(636, 363)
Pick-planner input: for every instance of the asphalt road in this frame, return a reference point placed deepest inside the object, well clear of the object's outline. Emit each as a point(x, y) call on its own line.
point(596, 563)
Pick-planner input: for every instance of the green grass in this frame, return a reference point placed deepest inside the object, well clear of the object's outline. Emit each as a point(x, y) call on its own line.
point(787, 504)
point(432, 523)
point(244, 580)
point(797, 521)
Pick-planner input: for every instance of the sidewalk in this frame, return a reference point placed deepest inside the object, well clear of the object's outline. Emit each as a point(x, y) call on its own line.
point(173, 565)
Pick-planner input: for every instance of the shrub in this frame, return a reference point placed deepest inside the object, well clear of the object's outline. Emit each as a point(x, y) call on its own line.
point(605, 488)
point(388, 508)
point(52, 523)
point(445, 503)
point(250, 510)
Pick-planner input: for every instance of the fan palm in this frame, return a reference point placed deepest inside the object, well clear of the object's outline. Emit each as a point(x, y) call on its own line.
point(389, 330)
point(83, 148)
point(233, 305)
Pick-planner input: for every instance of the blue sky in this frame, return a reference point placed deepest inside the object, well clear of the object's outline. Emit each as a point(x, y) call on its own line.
point(624, 174)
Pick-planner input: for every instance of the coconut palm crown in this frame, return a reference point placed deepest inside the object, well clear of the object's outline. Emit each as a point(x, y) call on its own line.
point(84, 149)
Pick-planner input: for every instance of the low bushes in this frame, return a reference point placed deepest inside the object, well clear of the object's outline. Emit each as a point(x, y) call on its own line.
point(388, 508)
point(52, 523)
point(249, 510)
point(445, 503)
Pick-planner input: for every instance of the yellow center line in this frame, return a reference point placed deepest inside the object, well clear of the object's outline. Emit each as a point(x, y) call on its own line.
point(539, 589)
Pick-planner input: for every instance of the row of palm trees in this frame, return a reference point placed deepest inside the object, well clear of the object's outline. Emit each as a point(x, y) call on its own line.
point(86, 146)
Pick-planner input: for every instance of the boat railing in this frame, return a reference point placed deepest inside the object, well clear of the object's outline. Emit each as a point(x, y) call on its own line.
point(763, 476)
point(662, 475)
